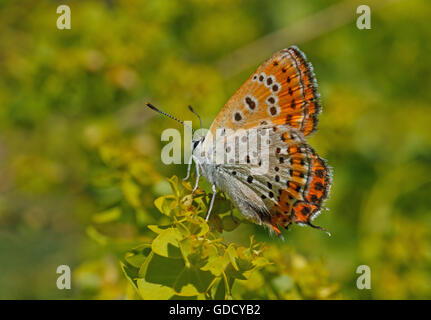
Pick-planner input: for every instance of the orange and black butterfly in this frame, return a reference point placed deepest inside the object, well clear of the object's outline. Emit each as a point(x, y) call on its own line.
point(277, 107)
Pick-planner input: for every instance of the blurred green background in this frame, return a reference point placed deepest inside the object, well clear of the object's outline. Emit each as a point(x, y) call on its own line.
point(80, 154)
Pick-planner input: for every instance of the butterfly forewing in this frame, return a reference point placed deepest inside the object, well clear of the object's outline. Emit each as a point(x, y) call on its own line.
point(283, 90)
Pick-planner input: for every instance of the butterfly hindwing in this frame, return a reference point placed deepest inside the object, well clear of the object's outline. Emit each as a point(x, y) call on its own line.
point(293, 181)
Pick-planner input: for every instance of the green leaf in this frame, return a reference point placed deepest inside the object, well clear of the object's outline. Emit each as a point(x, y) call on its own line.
point(163, 270)
point(174, 185)
point(229, 223)
point(216, 265)
point(144, 266)
point(221, 205)
point(131, 191)
point(232, 255)
point(220, 293)
point(192, 281)
point(261, 262)
point(154, 291)
point(131, 273)
point(136, 257)
point(186, 248)
point(187, 185)
point(233, 273)
point(197, 226)
point(156, 229)
point(223, 289)
point(188, 290)
point(94, 234)
point(166, 244)
point(135, 260)
point(107, 215)
point(183, 229)
point(175, 274)
point(164, 204)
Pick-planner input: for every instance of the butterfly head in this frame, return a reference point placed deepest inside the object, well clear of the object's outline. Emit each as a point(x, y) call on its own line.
point(197, 146)
point(196, 143)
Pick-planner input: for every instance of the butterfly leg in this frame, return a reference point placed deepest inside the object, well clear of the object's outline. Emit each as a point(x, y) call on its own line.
point(189, 167)
point(212, 201)
point(198, 174)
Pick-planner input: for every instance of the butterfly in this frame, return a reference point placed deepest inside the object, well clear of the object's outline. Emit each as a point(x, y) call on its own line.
point(277, 107)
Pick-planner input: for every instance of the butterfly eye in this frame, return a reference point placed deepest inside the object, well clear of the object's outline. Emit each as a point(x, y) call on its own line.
point(195, 144)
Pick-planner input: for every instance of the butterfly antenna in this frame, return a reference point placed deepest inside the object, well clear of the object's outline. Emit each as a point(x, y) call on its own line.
point(166, 114)
point(200, 120)
point(320, 228)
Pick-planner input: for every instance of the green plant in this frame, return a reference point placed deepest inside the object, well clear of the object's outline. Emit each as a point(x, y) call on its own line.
point(189, 259)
